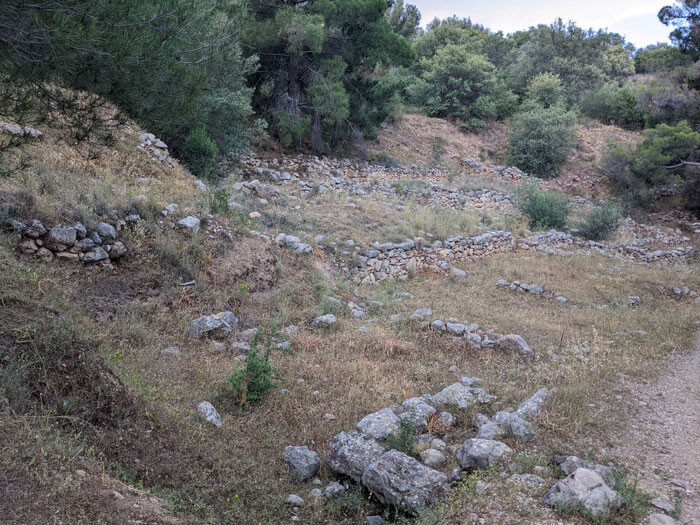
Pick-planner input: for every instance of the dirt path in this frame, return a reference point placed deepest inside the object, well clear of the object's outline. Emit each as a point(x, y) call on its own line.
point(662, 437)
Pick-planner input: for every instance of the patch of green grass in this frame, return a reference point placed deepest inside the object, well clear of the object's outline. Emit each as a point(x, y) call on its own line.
point(405, 439)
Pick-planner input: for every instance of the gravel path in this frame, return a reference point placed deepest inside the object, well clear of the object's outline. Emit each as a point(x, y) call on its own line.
point(662, 437)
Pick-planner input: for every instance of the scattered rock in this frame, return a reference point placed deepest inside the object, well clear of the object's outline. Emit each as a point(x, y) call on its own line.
point(351, 453)
point(400, 480)
point(531, 406)
point(482, 453)
point(583, 487)
point(657, 518)
point(515, 344)
point(432, 458)
point(663, 503)
point(324, 321)
point(572, 463)
point(303, 463)
point(209, 413)
point(380, 424)
point(189, 223)
point(223, 322)
point(294, 500)
point(333, 489)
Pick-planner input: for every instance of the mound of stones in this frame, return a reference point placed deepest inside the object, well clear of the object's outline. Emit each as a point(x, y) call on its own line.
point(397, 479)
point(74, 243)
point(156, 149)
point(531, 288)
point(472, 334)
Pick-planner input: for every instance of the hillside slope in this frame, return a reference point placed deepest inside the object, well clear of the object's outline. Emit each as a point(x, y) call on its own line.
point(104, 359)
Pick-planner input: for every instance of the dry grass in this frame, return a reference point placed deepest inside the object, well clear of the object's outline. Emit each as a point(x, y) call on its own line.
point(234, 474)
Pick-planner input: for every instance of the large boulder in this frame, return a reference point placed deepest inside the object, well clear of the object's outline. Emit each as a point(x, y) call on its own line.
point(351, 453)
point(223, 322)
point(303, 463)
point(402, 481)
point(482, 453)
point(456, 395)
point(380, 424)
point(586, 488)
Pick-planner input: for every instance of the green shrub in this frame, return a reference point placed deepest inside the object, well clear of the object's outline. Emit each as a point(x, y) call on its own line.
point(601, 222)
point(249, 385)
point(615, 104)
point(545, 90)
point(405, 439)
point(218, 201)
point(200, 153)
point(545, 209)
point(540, 140)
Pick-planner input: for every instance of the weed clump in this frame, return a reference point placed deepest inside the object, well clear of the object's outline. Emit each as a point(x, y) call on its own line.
point(405, 439)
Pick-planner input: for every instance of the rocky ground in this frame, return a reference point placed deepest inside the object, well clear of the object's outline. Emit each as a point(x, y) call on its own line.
point(439, 361)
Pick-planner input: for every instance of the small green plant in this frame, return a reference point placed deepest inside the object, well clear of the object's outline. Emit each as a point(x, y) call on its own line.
point(249, 385)
point(601, 222)
point(545, 209)
point(200, 153)
point(218, 201)
point(437, 148)
point(382, 159)
point(405, 439)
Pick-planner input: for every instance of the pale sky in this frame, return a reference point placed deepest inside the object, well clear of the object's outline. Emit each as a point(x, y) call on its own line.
point(635, 19)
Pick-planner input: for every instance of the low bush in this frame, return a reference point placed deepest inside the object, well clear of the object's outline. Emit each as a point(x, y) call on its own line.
point(540, 140)
point(615, 104)
point(200, 153)
point(545, 209)
point(601, 222)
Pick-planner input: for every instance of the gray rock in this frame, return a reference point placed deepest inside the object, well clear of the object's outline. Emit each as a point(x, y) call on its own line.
point(455, 475)
point(514, 426)
point(35, 230)
point(302, 462)
point(490, 430)
point(206, 410)
point(171, 350)
point(106, 231)
point(86, 244)
point(420, 314)
point(380, 424)
point(374, 520)
point(95, 255)
point(293, 499)
point(437, 325)
point(402, 481)
point(80, 230)
point(482, 453)
point(94, 237)
point(456, 328)
point(572, 463)
point(315, 493)
point(118, 250)
point(60, 236)
point(656, 518)
point(223, 322)
point(333, 489)
point(351, 453)
point(515, 344)
point(663, 503)
point(324, 321)
point(454, 395)
point(190, 223)
point(583, 487)
point(634, 300)
point(531, 407)
point(432, 458)
point(418, 409)
point(474, 382)
point(458, 273)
